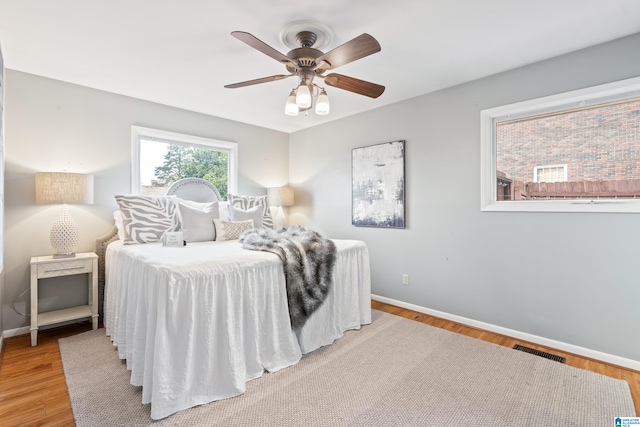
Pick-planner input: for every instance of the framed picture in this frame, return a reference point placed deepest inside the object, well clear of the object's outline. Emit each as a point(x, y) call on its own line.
point(173, 239)
point(378, 185)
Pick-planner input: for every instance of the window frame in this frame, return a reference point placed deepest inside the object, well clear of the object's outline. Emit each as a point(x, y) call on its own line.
point(591, 96)
point(139, 132)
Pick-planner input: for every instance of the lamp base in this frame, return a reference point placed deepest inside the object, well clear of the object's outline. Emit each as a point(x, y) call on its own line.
point(64, 235)
point(280, 221)
point(56, 256)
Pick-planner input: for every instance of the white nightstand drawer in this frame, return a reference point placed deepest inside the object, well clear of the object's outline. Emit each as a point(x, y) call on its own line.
point(65, 268)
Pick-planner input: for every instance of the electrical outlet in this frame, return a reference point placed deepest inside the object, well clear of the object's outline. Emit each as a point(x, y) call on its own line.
point(405, 279)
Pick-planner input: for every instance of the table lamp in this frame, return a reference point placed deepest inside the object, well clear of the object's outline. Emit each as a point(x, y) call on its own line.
point(280, 196)
point(64, 188)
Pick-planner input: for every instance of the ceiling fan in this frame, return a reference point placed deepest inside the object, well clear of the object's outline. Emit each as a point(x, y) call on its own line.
point(307, 63)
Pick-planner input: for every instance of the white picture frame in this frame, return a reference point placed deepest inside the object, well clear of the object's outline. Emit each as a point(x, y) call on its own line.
point(173, 239)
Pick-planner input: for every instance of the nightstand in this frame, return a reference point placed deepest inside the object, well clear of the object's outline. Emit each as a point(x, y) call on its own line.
point(49, 266)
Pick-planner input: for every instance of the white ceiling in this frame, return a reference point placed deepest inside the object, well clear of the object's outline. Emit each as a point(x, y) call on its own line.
point(181, 53)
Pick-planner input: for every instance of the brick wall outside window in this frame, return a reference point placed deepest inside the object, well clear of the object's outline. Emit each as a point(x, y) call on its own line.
point(596, 144)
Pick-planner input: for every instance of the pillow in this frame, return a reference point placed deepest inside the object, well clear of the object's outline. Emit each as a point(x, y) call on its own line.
point(247, 202)
point(197, 224)
point(198, 205)
point(117, 217)
point(230, 230)
point(255, 213)
point(224, 210)
point(147, 218)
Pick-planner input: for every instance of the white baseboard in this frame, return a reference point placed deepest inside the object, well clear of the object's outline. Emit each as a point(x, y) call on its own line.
point(569, 348)
point(15, 332)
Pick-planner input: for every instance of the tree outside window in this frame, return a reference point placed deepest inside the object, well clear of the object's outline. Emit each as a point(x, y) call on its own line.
point(165, 163)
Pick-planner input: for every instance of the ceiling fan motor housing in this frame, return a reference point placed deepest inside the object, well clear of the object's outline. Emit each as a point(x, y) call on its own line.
point(305, 57)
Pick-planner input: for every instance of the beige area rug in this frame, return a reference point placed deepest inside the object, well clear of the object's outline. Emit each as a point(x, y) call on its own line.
point(394, 372)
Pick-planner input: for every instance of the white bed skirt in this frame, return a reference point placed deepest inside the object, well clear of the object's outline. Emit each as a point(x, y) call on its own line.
point(194, 330)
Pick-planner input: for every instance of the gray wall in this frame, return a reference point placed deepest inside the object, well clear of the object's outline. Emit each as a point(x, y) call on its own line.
point(56, 126)
point(1, 188)
point(567, 277)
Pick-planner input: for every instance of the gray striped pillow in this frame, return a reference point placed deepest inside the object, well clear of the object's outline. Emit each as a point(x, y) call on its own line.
point(147, 218)
point(248, 202)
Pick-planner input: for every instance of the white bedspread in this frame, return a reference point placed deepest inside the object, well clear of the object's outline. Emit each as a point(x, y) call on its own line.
point(196, 323)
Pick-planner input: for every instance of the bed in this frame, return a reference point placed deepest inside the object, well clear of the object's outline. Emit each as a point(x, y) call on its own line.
point(196, 323)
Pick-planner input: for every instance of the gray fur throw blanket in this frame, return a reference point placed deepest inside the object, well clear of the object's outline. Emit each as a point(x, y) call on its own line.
point(308, 260)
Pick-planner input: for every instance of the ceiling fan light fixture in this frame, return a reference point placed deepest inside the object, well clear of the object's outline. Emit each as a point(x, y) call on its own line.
point(306, 61)
point(290, 107)
point(322, 103)
point(303, 96)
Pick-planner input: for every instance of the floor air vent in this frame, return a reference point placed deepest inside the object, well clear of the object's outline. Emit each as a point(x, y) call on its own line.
point(540, 353)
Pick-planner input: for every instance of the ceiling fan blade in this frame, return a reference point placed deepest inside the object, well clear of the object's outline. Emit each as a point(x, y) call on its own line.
point(361, 46)
point(258, 81)
point(351, 84)
point(258, 44)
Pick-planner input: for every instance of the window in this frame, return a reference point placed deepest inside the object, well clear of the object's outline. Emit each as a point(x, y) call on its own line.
point(550, 173)
point(573, 152)
point(160, 158)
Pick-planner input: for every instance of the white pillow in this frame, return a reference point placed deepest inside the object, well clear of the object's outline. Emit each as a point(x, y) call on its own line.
point(255, 213)
point(197, 224)
point(224, 210)
point(247, 202)
point(117, 217)
point(147, 218)
point(197, 205)
point(230, 230)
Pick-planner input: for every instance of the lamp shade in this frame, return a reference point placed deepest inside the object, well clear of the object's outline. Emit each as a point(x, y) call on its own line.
point(64, 188)
point(303, 96)
point(322, 104)
point(290, 107)
point(280, 196)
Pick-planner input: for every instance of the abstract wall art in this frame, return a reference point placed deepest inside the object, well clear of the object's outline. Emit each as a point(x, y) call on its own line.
point(378, 185)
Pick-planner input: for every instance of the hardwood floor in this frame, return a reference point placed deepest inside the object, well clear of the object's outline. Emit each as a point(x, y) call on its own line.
point(33, 391)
